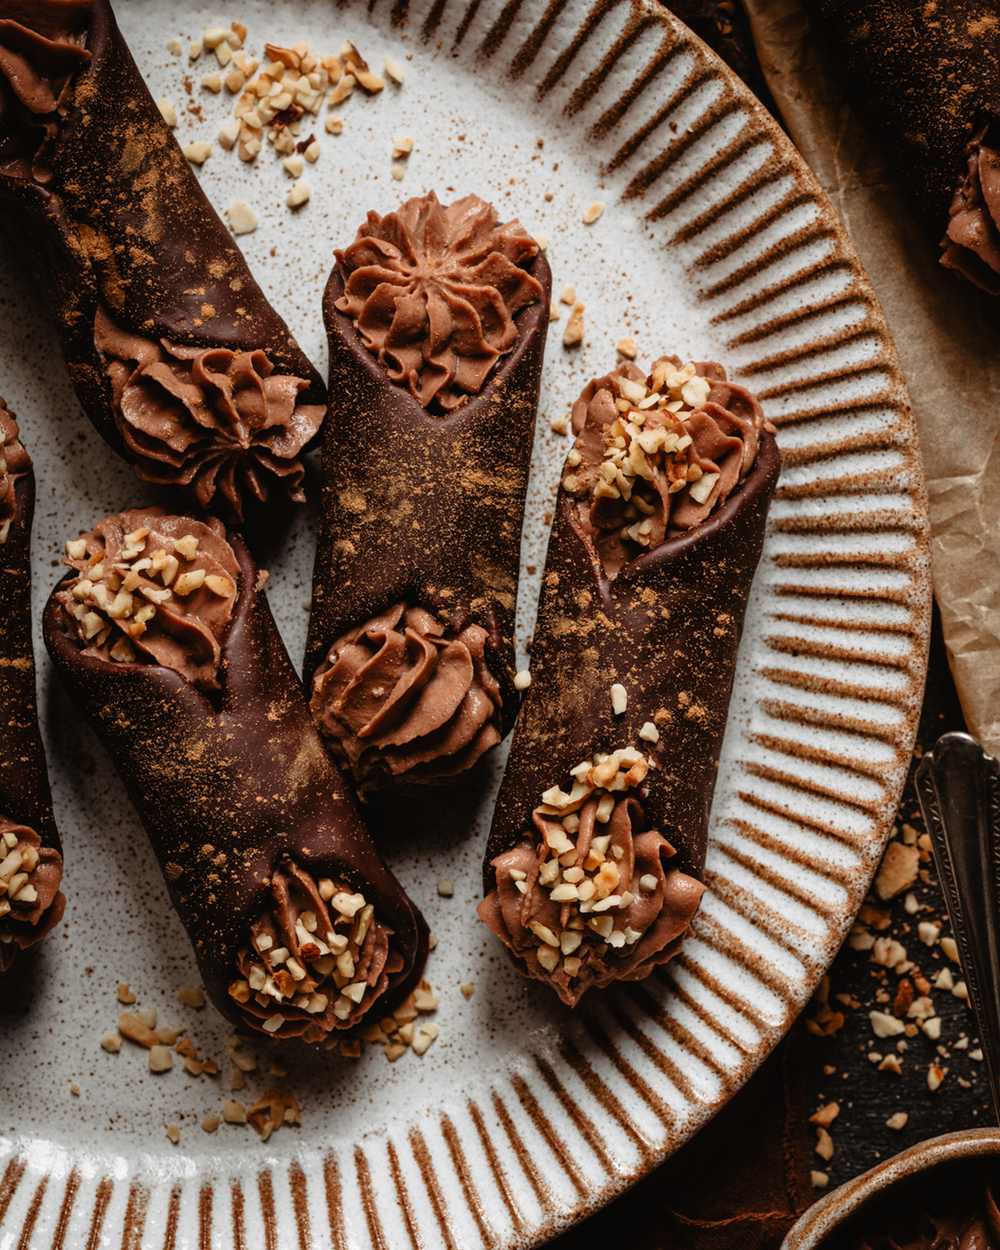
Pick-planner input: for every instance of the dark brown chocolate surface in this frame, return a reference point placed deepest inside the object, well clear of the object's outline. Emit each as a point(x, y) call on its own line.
point(25, 797)
point(421, 508)
point(667, 628)
point(924, 77)
point(226, 787)
point(124, 223)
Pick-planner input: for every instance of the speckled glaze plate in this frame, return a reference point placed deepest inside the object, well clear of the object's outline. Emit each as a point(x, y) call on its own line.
point(522, 1117)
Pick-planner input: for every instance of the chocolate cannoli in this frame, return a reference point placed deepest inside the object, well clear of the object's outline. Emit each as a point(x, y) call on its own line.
point(594, 862)
point(925, 79)
point(175, 353)
point(31, 903)
point(437, 320)
point(163, 637)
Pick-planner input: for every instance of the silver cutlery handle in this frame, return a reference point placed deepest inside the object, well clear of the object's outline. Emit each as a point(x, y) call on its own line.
point(958, 785)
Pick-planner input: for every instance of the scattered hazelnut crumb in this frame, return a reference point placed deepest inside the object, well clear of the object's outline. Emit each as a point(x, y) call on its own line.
point(944, 980)
point(649, 732)
point(236, 1079)
point(242, 218)
point(960, 990)
point(402, 146)
point(910, 904)
point(394, 71)
point(161, 1059)
point(820, 1180)
point(891, 1064)
point(829, 1069)
point(212, 82)
point(467, 990)
point(125, 995)
point(432, 941)
point(826, 1114)
point(976, 1055)
point(522, 680)
point(294, 165)
point(299, 194)
point(334, 125)
point(446, 887)
point(627, 348)
point(935, 1076)
point(574, 327)
point(397, 172)
point(884, 1025)
point(592, 213)
point(554, 313)
point(191, 996)
point(147, 1017)
point(312, 152)
point(928, 932)
point(197, 153)
point(174, 1133)
point(619, 698)
point(932, 1028)
point(824, 1144)
point(897, 1121)
point(874, 1056)
point(175, 47)
point(541, 239)
point(194, 52)
point(568, 294)
point(74, 1088)
point(112, 1043)
point(168, 111)
point(234, 1113)
point(559, 425)
point(210, 1123)
point(898, 870)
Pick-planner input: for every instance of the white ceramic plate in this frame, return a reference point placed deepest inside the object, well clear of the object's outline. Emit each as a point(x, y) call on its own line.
point(522, 1117)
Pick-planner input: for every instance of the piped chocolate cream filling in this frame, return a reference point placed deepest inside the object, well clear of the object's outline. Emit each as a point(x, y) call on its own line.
point(211, 420)
point(319, 950)
point(14, 463)
point(656, 455)
point(434, 292)
point(403, 695)
point(30, 902)
point(153, 588)
point(165, 639)
point(972, 241)
point(590, 897)
point(41, 46)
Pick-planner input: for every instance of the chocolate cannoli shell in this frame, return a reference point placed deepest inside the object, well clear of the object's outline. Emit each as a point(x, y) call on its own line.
point(668, 629)
point(24, 780)
point(224, 789)
point(124, 222)
point(421, 508)
point(923, 78)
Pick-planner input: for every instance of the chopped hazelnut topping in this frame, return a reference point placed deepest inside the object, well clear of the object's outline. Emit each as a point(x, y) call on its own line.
point(191, 996)
point(522, 680)
point(446, 887)
point(592, 213)
point(174, 1133)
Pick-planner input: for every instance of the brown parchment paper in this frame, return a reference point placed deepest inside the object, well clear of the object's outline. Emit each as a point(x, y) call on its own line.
point(948, 335)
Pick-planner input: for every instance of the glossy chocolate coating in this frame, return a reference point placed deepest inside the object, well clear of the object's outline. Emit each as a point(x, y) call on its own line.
point(24, 780)
point(124, 222)
point(226, 787)
point(421, 508)
point(668, 629)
